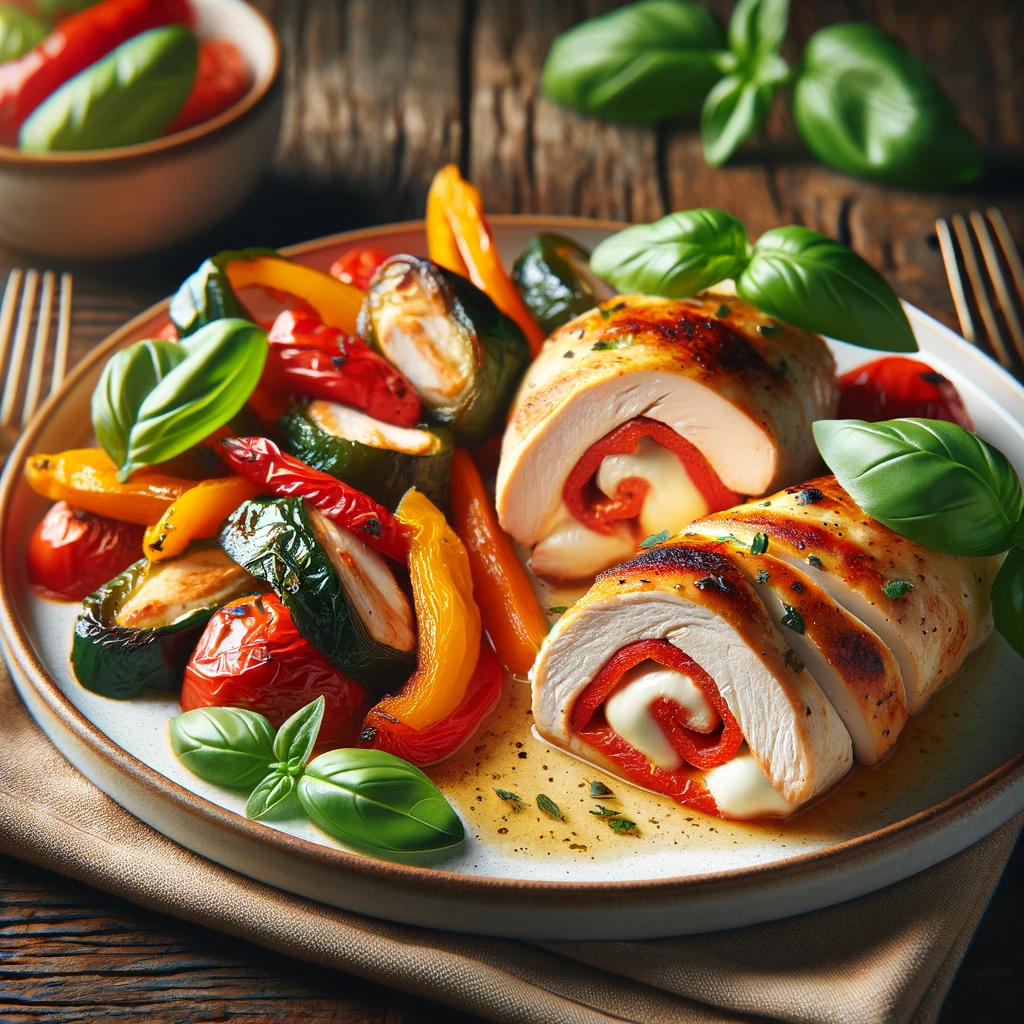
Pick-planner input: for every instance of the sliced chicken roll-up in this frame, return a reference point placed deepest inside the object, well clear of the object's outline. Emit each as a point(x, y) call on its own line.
point(931, 610)
point(646, 413)
point(671, 674)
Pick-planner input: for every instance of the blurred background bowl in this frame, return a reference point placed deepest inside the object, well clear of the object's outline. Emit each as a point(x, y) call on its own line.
point(109, 203)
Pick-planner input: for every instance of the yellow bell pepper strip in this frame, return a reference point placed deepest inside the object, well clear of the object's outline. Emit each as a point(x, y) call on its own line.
point(86, 478)
point(447, 618)
point(461, 206)
point(337, 304)
point(511, 612)
point(198, 513)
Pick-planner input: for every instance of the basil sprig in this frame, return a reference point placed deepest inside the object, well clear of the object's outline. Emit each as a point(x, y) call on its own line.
point(156, 399)
point(939, 485)
point(367, 798)
point(19, 32)
point(791, 273)
point(641, 63)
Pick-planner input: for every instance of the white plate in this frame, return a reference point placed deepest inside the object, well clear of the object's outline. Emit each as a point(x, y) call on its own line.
point(957, 774)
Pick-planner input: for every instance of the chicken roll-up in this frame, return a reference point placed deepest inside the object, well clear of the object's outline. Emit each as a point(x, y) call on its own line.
point(646, 413)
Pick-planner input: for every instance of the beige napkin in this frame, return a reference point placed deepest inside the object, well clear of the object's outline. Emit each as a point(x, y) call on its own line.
point(887, 957)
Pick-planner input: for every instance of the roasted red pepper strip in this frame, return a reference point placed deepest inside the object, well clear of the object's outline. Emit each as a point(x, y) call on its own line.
point(600, 513)
point(426, 746)
point(73, 46)
point(307, 357)
point(260, 460)
point(222, 79)
point(357, 266)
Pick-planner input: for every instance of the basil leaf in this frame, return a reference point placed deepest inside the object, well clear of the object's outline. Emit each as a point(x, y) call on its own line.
point(868, 107)
point(297, 736)
point(207, 295)
point(228, 746)
point(932, 482)
point(757, 28)
point(734, 109)
point(19, 32)
point(549, 807)
point(201, 393)
point(1008, 600)
point(127, 97)
point(676, 256)
point(640, 63)
point(127, 378)
point(271, 794)
point(815, 282)
point(376, 800)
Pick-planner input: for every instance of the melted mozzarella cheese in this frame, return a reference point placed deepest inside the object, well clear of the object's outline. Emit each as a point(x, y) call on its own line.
point(628, 710)
point(742, 790)
point(571, 551)
point(672, 502)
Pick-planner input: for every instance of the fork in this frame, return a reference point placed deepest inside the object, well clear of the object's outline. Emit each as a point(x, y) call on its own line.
point(14, 346)
point(957, 237)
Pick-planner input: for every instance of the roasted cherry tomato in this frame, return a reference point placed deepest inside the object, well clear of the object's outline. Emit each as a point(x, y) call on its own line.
point(894, 387)
point(72, 553)
point(252, 656)
point(357, 266)
point(222, 78)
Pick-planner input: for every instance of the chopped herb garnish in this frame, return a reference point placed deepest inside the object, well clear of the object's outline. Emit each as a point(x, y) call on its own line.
point(513, 798)
point(605, 313)
point(808, 496)
point(654, 538)
point(568, 355)
point(762, 577)
point(711, 583)
point(783, 367)
point(558, 609)
point(621, 825)
point(722, 312)
point(372, 527)
point(759, 545)
point(599, 346)
point(793, 620)
point(548, 806)
point(600, 789)
point(815, 562)
point(606, 812)
point(895, 589)
point(769, 330)
point(793, 660)
point(766, 504)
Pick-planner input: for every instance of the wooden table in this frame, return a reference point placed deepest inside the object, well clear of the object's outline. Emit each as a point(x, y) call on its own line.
point(379, 95)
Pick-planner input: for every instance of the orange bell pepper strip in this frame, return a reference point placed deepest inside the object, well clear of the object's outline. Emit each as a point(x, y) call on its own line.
point(86, 478)
point(468, 247)
point(447, 618)
point(511, 612)
point(336, 304)
point(198, 513)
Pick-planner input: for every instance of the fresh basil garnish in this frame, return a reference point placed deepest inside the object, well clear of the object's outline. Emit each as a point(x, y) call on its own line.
point(228, 746)
point(759, 545)
point(153, 403)
point(679, 255)
point(654, 539)
point(549, 807)
point(792, 619)
point(297, 736)
point(895, 589)
point(19, 32)
point(814, 282)
point(641, 63)
point(867, 106)
point(598, 788)
point(271, 794)
point(1008, 600)
point(371, 798)
point(932, 482)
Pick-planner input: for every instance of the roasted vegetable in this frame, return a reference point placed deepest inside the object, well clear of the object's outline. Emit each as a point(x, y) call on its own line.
point(137, 632)
point(463, 356)
point(340, 592)
point(554, 278)
point(379, 459)
point(222, 78)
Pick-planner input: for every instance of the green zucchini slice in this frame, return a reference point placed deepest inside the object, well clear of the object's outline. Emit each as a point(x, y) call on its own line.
point(138, 631)
point(554, 278)
point(377, 458)
point(463, 356)
point(341, 593)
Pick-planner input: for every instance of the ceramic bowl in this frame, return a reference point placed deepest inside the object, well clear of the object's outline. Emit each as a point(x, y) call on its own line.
point(109, 203)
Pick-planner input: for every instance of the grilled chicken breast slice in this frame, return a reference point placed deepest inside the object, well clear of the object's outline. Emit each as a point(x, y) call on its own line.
point(818, 527)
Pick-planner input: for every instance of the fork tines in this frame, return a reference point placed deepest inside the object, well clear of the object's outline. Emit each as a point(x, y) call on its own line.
point(18, 312)
point(998, 275)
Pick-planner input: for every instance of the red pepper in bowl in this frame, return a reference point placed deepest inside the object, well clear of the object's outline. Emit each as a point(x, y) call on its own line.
point(357, 266)
point(222, 79)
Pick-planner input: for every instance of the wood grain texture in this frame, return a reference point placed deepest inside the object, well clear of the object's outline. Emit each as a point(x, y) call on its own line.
point(379, 94)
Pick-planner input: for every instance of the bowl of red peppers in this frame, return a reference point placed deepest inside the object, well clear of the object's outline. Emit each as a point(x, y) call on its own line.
point(129, 125)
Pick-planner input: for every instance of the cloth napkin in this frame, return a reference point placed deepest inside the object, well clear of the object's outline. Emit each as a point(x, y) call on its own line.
point(886, 957)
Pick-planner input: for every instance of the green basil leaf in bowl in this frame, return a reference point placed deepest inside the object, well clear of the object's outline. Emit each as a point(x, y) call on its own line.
point(1008, 600)
point(932, 482)
point(867, 106)
point(677, 256)
point(378, 801)
point(812, 281)
point(297, 736)
point(19, 32)
point(228, 746)
point(272, 795)
point(641, 63)
point(129, 96)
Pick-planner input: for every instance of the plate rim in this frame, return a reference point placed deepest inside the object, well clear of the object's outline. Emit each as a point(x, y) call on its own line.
point(17, 646)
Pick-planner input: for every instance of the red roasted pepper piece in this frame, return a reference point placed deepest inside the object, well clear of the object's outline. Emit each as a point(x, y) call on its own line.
point(357, 266)
point(260, 460)
point(222, 79)
point(436, 742)
point(600, 513)
point(307, 357)
point(71, 47)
